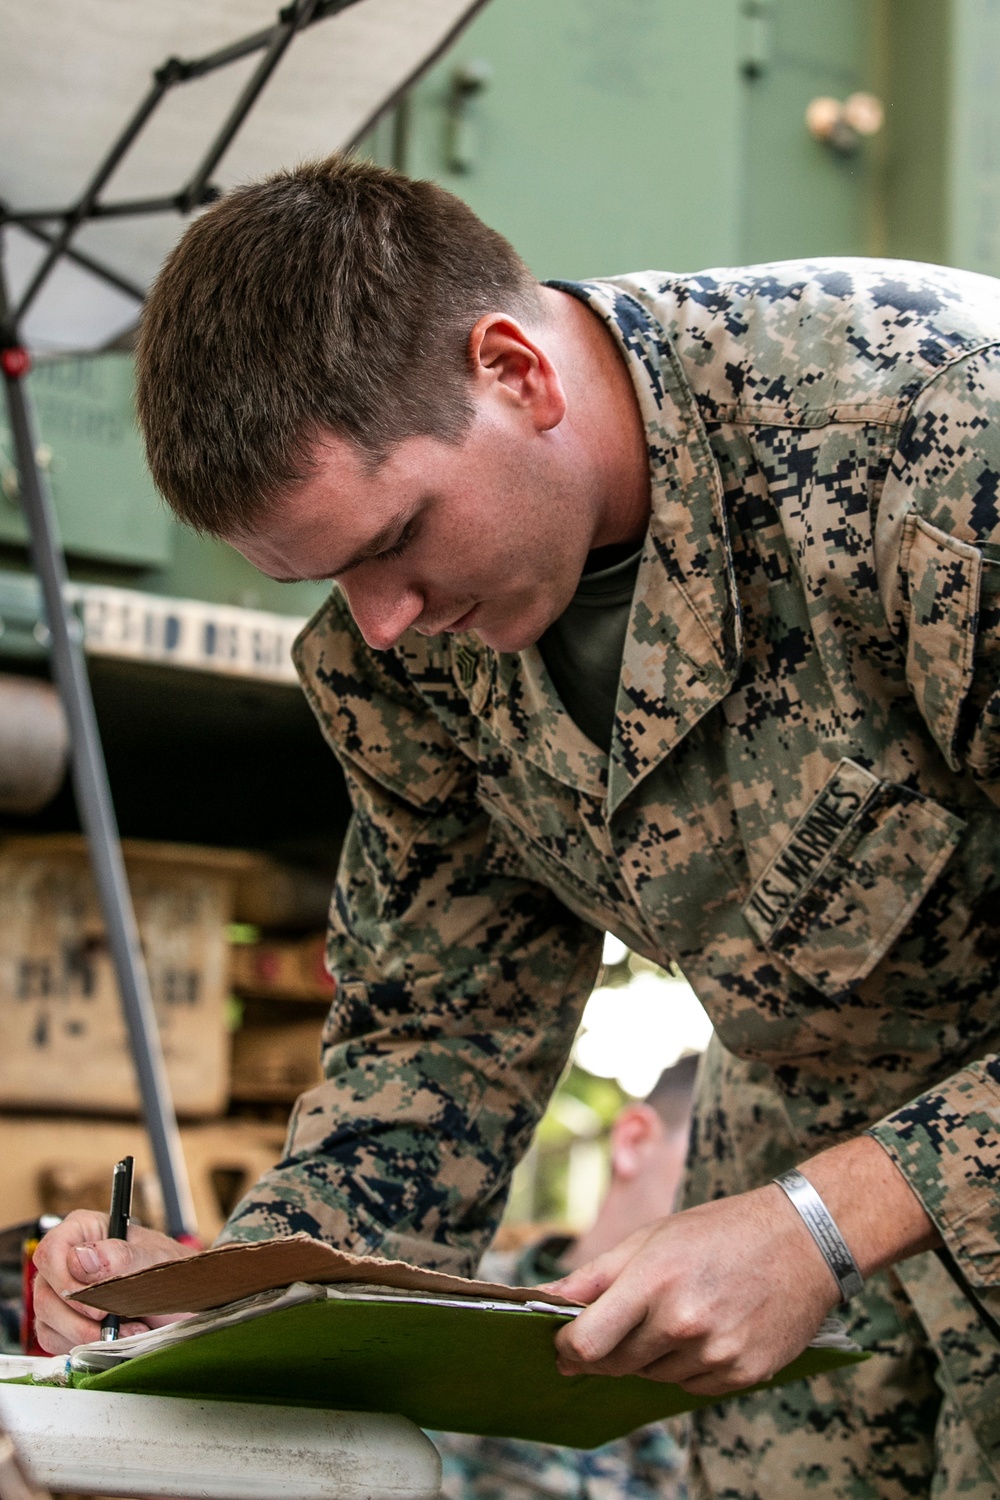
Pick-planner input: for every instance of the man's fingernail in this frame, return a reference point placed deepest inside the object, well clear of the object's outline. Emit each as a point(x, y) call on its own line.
point(88, 1258)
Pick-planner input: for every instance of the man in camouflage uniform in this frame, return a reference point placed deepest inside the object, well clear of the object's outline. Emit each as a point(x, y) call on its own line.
point(798, 804)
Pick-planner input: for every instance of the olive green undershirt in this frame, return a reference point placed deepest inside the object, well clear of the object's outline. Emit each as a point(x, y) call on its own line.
point(582, 650)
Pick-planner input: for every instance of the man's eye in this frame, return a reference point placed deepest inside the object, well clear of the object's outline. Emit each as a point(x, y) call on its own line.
point(398, 547)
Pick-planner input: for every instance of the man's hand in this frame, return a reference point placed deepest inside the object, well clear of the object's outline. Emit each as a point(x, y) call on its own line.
point(76, 1254)
point(715, 1298)
point(721, 1296)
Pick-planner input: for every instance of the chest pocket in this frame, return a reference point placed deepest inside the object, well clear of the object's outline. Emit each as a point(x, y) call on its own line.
point(844, 885)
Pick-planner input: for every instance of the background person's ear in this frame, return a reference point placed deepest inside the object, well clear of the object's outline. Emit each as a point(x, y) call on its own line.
point(635, 1130)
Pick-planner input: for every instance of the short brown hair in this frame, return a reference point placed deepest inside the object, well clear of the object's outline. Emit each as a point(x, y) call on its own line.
point(672, 1095)
point(337, 297)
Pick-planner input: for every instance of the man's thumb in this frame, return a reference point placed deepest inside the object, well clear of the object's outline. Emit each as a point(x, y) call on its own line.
point(104, 1258)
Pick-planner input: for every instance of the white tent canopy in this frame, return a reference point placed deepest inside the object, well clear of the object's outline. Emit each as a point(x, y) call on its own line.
point(73, 71)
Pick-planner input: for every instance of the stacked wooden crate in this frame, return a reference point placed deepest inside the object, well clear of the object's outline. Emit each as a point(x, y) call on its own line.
point(285, 992)
point(69, 1107)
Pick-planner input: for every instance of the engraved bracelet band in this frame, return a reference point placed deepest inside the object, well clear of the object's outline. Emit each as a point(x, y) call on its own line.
point(819, 1222)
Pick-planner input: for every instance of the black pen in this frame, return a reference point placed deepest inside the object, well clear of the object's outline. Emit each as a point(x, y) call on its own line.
point(121, 1207)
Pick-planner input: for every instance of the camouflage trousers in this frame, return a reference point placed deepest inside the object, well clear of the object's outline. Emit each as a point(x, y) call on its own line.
point(890, 1429)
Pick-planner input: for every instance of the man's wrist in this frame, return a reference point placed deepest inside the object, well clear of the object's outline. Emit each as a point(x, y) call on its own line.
point(876, 1211)
point(823, 1227)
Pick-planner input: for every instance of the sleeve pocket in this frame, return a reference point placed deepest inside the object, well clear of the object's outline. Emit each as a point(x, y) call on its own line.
point(942, 579)
point(982, 752)
point(843, 887)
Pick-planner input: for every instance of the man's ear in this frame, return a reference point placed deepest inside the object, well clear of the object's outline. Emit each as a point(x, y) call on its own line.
point(632, 1133)
point(506, 359)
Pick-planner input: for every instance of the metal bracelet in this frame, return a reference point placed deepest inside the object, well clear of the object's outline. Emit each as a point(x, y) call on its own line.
point(819, 1222)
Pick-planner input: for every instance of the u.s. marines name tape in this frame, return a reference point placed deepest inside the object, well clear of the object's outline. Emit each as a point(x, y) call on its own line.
point(824, 829)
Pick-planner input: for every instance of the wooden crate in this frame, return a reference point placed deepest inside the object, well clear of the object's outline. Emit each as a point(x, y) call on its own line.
point(275, 1059)
point(63, 1043)
point(283, 970)
point(272, 894)
point(55, 1164)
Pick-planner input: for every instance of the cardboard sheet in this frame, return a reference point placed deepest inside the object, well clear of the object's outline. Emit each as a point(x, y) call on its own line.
point(240, 1270)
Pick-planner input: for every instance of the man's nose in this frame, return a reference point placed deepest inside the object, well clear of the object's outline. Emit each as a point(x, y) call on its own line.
point(382, 614)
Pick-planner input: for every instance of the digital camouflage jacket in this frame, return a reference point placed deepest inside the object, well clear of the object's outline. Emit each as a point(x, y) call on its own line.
point(800, 806)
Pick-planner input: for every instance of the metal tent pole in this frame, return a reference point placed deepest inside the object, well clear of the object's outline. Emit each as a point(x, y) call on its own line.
point(93, 797)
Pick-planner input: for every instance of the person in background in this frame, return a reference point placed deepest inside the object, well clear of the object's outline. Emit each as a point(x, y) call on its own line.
point(648, 1148)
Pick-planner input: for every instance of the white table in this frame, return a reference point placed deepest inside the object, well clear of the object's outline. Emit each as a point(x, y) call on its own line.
point(106, 1443)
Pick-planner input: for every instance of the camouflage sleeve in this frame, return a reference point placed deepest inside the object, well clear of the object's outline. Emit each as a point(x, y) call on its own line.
point(938, 535)
point(459, 988)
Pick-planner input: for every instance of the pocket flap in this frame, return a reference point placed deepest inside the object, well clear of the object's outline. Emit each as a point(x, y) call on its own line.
point(841, 889)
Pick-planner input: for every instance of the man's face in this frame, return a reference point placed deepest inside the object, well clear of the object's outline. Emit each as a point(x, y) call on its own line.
point(489, 534)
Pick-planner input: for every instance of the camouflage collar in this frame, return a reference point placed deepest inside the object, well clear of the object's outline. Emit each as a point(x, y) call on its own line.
point(683, 645)
point(524, 710)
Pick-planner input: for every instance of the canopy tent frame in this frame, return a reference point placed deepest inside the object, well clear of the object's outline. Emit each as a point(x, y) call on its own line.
point(198, 190)
point(88, 766)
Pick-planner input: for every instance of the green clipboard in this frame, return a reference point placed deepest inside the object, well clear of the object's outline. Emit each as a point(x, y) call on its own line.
point(447, 1366)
